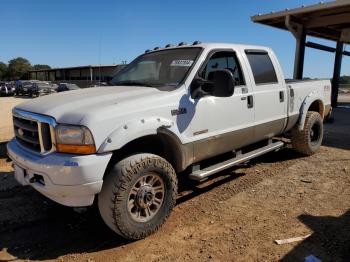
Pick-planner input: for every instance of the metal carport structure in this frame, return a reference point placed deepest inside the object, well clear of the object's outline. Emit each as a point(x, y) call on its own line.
point(329, 21)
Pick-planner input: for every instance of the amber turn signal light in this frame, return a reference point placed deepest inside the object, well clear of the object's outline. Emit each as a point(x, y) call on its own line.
point(76, 149)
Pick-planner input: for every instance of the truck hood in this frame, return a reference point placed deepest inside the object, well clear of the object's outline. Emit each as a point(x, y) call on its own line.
point(71, 107)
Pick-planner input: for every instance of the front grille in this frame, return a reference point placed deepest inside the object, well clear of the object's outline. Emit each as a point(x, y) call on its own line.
point(33, 131)
point(27, 133)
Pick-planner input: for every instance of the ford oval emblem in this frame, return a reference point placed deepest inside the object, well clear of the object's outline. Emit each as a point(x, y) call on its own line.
point(20, 132)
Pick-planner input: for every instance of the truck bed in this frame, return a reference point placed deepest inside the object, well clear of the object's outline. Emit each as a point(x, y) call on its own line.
point(290, 81)
point(317, 88)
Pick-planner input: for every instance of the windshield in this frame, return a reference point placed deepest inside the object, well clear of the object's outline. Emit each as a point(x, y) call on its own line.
point(165, 68)
point(27, 84)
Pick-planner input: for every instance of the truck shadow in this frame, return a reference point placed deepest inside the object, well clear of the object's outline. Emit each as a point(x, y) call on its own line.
point(330, 240)
point(33, 227)
point(40, 229)
point(337, 130)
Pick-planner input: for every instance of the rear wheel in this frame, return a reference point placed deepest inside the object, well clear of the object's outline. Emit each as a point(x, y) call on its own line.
point(138, 195)
point(309, 140)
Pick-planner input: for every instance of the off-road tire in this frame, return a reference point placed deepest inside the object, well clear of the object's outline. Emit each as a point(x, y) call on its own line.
point(118, 182)
point(303, 141)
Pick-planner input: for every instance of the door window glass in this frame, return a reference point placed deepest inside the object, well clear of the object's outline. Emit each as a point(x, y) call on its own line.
point(262, 67)
point(224, 60)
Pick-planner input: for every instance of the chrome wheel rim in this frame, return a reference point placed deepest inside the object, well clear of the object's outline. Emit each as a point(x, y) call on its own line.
point(146, 197)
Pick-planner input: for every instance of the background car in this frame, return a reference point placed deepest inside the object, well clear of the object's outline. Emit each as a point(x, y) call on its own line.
point(41, 88)
point(97, 84)
point(22, 86)
point(6, 89)
point(26, 89)
point(67, 87)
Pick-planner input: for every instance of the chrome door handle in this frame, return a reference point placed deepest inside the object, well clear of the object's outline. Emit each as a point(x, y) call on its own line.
point(250, 101)
point(281, 96)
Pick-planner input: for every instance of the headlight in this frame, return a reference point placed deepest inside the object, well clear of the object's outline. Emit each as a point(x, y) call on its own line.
point(74, 139)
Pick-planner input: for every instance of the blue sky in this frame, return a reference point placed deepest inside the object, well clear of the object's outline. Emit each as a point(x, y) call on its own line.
point(69, 33)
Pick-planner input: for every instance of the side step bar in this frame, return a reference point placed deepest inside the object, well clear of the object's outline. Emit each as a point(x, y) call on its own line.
point(204, 173)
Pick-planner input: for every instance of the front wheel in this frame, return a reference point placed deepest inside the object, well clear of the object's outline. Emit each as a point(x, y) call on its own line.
point(308, 141)
point(137, 195)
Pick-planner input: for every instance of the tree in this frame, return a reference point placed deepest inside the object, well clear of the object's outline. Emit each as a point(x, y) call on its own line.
point(41, 67)
point(3, 71)
point(18, 68)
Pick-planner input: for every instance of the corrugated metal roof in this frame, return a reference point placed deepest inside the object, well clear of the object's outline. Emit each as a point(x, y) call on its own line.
point(329, 20)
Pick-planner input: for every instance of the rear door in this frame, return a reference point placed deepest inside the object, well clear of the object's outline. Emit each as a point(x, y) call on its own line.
point(270, 98)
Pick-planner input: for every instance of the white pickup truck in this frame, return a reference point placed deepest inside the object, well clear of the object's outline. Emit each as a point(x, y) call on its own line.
point(169, 111)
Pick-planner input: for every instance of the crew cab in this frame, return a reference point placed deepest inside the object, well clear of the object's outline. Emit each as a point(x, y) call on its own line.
point(168, 112)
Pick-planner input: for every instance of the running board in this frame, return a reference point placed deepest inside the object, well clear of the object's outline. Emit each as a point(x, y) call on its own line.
point(204, 173)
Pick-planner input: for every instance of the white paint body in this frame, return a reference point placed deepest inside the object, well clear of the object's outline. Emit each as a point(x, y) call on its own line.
point(119, 114)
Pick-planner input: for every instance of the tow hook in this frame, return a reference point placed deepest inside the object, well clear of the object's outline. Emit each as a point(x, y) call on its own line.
point(37, 179)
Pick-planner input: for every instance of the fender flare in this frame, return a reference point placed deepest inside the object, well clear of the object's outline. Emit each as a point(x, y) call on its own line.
point(311, 98)
point(132, 130)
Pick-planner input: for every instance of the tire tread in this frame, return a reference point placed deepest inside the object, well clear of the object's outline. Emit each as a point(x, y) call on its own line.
point(300, 139)
point(127, 168)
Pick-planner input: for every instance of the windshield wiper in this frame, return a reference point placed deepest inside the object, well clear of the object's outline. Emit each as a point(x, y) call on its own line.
point(132, 83)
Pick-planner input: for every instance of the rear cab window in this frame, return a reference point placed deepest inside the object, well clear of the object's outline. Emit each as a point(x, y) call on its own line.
point(263, 70)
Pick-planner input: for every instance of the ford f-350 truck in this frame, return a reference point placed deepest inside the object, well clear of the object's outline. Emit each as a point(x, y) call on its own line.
point(167, 113)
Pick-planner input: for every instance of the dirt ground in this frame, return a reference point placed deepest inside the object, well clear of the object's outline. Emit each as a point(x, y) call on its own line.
point(235, 216)
point(6, 105)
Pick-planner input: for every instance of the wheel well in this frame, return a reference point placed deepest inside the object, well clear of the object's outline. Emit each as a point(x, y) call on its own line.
point(317, 106)
point(161, 144)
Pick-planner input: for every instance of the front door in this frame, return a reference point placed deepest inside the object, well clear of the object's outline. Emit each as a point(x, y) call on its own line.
point(221, 124)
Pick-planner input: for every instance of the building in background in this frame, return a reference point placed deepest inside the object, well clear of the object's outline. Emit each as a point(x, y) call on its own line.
point(83, 76)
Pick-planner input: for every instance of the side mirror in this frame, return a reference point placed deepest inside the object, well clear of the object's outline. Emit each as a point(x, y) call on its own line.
point(223, 81)
point(220, 83)
point(201, 87)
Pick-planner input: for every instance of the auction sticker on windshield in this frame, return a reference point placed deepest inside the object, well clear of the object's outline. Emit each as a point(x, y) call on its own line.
point(186, 63)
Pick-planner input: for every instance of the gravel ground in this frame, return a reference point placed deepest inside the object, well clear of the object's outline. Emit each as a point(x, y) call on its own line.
point(235, 216)
point(344, 98)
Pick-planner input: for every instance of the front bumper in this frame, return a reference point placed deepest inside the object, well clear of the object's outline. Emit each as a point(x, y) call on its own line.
point(71, 180)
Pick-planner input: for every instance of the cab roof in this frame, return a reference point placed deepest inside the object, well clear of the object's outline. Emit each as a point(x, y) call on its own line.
point(212, 46)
